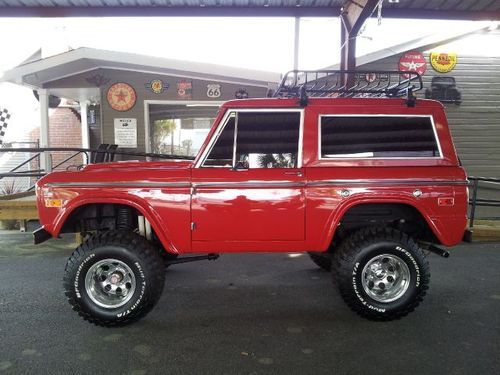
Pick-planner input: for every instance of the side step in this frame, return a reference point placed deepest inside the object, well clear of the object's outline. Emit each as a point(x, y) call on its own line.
point(192, 259)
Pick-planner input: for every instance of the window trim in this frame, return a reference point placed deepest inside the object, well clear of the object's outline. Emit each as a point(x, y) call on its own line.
point(222, 124)
point(434, 131)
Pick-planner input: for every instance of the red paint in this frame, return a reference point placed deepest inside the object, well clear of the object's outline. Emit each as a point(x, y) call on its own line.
point(278, 209)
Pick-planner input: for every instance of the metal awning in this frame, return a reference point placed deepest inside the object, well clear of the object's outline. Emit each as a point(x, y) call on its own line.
point(426, 9)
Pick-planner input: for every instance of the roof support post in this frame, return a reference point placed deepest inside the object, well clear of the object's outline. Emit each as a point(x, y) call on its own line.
point(296, 44)
point(353, 15)
point(84, 103)
point(45, 159)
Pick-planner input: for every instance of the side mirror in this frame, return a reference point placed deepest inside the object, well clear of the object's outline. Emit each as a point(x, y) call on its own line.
point(241, 166)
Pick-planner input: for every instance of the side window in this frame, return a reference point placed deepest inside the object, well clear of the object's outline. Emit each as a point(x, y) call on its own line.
point(377, 137)
point(267, 139)
point(221, 154)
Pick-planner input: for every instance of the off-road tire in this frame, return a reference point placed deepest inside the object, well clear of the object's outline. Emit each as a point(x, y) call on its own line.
point(133, 250)
point(322, 260)
point(363, 247)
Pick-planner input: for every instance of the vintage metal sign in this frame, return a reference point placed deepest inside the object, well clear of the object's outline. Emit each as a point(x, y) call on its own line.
point(214, 90)
point(121, 96)
point(241, 94)
point(185, 89)
point(443, 62)
point(157, 86)
point(413, 61)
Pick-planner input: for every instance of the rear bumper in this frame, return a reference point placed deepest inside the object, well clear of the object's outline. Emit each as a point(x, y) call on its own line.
point(41, 235)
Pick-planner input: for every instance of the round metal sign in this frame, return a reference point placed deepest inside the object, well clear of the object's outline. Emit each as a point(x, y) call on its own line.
point(121, 96)
point(413, 61)
point(443, 62)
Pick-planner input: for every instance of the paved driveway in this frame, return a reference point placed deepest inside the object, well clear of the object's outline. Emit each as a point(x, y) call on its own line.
point(249, 314)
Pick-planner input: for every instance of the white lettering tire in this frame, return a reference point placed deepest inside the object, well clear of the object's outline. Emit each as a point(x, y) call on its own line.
point(114, 278)
point(381, 273)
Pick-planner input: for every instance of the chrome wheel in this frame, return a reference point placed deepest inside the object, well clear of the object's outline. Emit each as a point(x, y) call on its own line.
point(385, 278)
point(110, 283)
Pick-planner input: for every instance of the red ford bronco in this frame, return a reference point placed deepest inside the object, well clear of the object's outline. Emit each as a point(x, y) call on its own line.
point(362, 176)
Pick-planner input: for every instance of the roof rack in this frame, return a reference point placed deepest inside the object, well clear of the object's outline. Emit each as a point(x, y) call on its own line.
point(349, 83)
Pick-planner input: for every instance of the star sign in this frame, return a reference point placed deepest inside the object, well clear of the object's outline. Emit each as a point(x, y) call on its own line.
point(121, 96)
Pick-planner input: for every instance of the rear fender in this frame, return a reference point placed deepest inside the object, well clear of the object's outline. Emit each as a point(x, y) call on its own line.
point(337, 214)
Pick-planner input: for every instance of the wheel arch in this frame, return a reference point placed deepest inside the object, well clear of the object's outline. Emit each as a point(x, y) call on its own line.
point(71, 212)
point(361, 213)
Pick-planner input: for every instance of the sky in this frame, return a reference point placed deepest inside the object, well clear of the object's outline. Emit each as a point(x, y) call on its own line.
point(254, 43)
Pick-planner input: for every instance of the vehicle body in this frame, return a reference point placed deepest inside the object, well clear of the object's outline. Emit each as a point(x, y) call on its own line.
point(300, 201)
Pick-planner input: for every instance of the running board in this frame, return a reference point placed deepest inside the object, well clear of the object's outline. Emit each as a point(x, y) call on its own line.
point(193, 259)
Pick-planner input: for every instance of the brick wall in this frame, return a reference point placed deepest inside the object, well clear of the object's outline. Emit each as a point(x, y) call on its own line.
point(64, 131)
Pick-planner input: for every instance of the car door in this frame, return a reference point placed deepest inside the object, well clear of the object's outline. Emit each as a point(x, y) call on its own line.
point(250, 185)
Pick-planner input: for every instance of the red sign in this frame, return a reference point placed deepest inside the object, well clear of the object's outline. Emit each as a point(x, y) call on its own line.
point(413, 61)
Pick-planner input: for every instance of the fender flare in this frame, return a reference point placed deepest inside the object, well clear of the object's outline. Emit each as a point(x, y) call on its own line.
point(337, 214)
point(157, 223)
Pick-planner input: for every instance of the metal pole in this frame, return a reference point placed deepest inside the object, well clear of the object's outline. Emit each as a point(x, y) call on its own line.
point(473, 208)
point(44, 128)
point(296, 44)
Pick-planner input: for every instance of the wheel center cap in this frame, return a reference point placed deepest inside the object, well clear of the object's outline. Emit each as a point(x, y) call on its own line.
point(115, 279)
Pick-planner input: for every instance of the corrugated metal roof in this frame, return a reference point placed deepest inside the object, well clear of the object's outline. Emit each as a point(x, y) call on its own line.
point(446, 9)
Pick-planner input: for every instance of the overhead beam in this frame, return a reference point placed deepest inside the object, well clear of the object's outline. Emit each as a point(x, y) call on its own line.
point(170, 11)
point(228, 11)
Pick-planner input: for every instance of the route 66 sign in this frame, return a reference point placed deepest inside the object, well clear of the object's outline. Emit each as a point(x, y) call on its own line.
point(213, 90)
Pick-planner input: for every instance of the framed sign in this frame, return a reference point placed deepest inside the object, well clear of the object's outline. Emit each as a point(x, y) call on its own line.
point(184, 89)
point(121, 96)
point(126, 132)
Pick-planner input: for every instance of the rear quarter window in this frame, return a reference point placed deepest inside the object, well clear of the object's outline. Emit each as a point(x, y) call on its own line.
point(378, 137)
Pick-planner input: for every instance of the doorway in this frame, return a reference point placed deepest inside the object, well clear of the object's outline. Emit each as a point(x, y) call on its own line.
point(178, 128)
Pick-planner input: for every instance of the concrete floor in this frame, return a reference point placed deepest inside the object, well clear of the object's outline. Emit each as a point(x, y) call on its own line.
point(249, 314)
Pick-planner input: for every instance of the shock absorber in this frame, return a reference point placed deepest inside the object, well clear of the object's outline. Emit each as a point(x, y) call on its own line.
point(123, 218)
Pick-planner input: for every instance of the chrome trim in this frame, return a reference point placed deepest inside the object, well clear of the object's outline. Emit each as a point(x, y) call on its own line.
point(235, 139)
point(385, 182)
point(251, 184)
point(334, 158)
point(120, 184)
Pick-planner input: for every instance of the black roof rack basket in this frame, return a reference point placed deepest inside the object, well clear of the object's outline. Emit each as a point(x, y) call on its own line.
point(305, 84)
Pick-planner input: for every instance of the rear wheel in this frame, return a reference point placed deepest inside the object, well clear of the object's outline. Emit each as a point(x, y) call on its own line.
point(382, 274)
point(114, 278)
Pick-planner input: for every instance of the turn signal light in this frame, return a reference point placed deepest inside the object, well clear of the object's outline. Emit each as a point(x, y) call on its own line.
point(53, 203)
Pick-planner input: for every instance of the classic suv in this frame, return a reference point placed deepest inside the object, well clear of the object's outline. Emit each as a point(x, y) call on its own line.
point(362, 184)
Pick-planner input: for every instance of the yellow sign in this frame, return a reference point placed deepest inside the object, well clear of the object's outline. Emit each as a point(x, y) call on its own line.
point(443, 62)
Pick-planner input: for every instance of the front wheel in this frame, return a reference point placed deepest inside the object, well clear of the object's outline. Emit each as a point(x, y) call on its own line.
point(382, 274)
point(114, 278)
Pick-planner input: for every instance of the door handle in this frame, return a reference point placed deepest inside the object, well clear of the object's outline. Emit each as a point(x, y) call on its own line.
point(294, 173)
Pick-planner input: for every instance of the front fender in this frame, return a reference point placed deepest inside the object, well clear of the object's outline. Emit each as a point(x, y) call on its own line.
point(159, 225)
